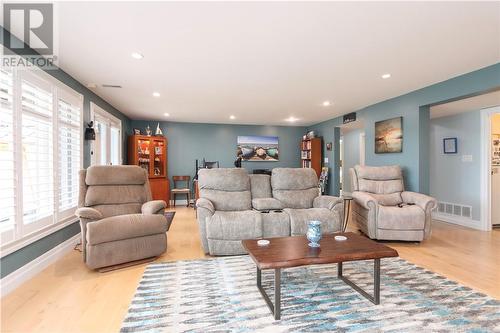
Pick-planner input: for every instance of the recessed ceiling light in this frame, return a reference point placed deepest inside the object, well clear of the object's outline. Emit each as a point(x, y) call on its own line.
point(232, 117)
point(291, 119)
point(156, 94)
point(386, 76)
point(327, 103)
point(137, 55)
point(166, 114)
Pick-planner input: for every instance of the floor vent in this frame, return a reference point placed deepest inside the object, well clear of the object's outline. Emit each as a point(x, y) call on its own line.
point(455, 209)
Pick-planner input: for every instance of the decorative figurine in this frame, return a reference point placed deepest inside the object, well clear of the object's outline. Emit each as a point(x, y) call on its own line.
point(158, 130)
point(148, 131)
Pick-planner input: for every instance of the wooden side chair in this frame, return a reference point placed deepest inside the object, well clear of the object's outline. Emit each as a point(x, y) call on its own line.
point(181, 190)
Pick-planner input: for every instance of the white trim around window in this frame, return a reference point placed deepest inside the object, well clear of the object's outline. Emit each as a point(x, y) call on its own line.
point(107, 147)
point(41, 152)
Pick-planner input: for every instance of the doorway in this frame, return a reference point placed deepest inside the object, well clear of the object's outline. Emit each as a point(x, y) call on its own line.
point(462, 158)
point(491, 167)
point(352, 152)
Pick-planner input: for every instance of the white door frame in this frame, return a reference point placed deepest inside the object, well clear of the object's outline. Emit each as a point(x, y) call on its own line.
point(96, 109)
point(362, 146)
point(485, 223)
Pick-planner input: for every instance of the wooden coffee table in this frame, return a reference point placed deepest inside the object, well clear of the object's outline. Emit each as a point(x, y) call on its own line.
point(285, 252)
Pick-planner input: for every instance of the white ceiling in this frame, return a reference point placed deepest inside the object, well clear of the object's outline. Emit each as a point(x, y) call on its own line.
point(475, 103)
point(266, 61)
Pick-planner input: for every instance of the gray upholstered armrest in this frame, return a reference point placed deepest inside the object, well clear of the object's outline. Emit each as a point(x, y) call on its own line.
point(122, 227)
point(205, 203)
point(364, 199)
point(326, 201)
point(425, 202)
point(88, 213)
point(153, 207)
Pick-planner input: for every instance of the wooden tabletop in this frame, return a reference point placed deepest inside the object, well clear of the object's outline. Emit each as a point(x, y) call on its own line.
point(283, 252)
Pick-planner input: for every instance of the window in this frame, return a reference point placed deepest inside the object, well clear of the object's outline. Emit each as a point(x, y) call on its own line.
point(107, 147)
point(7, 179)
point(40, 152)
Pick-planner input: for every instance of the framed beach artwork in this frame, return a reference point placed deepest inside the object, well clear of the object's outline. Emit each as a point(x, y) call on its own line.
point(258, 148)
point(389, 136)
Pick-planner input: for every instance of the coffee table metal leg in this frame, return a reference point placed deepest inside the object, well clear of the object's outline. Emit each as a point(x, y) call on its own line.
point(375, 299)
point(276, 308)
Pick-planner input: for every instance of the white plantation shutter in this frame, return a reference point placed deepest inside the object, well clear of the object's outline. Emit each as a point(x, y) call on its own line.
point(7, 177)
point(69, 155)
point(40, 154)
point(37, 154)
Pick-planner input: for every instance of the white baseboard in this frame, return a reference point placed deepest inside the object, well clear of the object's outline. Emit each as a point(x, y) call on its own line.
point(465, 222)
point(21, 275)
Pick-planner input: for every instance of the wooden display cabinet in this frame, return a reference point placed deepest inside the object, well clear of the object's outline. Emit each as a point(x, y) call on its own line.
point(311, 155)
point(150, 153)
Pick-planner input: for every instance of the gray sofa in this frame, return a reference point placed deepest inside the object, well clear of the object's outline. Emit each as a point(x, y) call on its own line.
point(234, 205)
point(383, 210)
point(119, 221)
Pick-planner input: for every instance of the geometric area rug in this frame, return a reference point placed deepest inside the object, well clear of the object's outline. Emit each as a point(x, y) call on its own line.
point(220, 295)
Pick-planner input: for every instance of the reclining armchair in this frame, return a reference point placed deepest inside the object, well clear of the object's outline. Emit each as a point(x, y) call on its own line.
point(383, 210)
point(119, 221)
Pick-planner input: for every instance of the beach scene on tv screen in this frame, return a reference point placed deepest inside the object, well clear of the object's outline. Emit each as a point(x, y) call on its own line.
point(258, 148)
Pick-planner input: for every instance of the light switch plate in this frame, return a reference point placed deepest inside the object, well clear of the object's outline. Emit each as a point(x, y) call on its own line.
point(326, 159)
point(466, 158)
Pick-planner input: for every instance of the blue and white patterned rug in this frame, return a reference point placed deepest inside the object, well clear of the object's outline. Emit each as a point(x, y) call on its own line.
point(220, 295)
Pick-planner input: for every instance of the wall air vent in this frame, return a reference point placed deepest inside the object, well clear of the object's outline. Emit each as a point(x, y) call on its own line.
point(111, 86)
point(455, 209)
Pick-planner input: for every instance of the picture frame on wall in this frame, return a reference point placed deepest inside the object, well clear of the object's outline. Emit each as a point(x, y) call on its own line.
point(389, 136)
point(450, 145)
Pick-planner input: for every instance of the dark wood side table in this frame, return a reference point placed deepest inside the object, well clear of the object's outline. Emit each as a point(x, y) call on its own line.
point(287, 252)
point(347, 211)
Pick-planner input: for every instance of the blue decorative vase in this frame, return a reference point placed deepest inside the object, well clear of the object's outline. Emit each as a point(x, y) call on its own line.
point(314, 233)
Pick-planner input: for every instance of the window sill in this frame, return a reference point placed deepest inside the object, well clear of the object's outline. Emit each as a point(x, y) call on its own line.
point(33, 237)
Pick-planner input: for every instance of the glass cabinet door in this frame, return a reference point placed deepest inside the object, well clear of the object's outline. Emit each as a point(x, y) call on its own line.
point(143, 154)
point(159, 158)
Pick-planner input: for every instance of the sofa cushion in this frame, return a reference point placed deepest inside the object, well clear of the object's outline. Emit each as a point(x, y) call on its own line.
point(379, 172)
point(115, 175)
point(293, 179)
point(228, 201)
point(227, 189)
point(124, 227)
point(115, 194)
point(401, 218)
point(224, 179)
point(380, 186)
point(266, 204)
point(392, 199)
point(260, 186)
point(296, 198)
point(234, 225)
point(299, 218)
point(275, 224)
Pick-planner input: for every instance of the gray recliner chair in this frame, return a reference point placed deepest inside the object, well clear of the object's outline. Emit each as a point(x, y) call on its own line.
point(383, 210)
point(119, 221)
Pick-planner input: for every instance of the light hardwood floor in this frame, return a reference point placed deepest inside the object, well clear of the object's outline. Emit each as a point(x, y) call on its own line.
point(67, 297)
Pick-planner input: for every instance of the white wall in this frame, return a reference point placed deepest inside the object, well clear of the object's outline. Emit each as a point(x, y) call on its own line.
point(451, 179)
point(351, 156)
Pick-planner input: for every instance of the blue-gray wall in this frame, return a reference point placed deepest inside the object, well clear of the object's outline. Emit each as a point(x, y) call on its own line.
point(217, 142)
point(452, 180)
point(351, 156)
point(413, 107)
point(17, 259)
